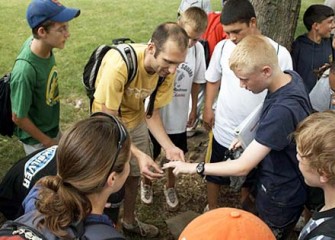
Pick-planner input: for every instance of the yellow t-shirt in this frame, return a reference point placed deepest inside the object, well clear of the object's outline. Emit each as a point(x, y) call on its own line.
point(110, 87)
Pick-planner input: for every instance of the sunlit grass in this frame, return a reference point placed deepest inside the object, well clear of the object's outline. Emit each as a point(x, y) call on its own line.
point(100, 22)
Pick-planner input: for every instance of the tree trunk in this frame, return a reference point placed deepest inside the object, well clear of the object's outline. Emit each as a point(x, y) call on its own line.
point(278, 19)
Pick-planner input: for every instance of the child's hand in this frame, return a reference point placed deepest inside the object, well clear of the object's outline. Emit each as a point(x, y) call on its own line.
point(235, 144)
point(181, 167)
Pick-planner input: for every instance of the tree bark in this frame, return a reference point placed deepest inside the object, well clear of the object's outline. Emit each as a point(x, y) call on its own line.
point(278, 19)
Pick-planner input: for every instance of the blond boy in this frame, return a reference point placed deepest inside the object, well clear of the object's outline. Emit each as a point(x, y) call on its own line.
point(280, 192)
point(316, 155)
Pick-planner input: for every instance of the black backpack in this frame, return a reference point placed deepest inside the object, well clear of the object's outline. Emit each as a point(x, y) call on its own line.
point(7, 126)
point(12, 230)
point(91, 68)
point(204, 43)
point(6, 123)
point(129, 56)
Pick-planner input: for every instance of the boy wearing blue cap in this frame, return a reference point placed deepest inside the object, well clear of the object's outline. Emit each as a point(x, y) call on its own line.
point(34, 79)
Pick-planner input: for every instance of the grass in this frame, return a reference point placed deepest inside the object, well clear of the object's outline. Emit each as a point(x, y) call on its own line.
point(100, 22)
point(97, 24)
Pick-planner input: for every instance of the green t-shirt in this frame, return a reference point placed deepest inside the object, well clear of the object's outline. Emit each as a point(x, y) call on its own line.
point(34, 92)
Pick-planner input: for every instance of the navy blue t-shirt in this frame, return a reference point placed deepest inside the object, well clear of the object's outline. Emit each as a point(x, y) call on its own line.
point(309, 56)
point(278, 172)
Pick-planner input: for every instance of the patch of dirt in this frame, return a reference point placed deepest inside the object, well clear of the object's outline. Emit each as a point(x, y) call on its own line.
point(191, 191)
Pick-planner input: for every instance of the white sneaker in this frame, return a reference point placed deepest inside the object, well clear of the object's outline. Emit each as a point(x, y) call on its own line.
point(191, 131)
point(206, 209)
point(146, 193)
point(171, 197)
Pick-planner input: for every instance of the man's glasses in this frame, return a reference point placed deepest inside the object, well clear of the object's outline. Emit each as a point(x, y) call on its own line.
point(122, 134)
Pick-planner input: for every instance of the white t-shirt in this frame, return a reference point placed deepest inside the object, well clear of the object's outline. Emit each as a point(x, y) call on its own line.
point(203, 4)
point(234, 103)
point(175, 114)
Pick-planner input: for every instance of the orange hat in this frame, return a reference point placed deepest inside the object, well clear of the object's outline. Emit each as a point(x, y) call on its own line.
point(227, 223)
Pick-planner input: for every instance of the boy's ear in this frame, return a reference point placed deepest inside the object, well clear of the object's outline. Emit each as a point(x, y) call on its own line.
point(323, 177)
point(253, 22)
point(41, 31)
point(267, 70)
point(315, 26)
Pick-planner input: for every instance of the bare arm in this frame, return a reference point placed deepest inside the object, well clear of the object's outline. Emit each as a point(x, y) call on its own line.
point(193, 114)
point(146, 164)
point(250, 158)
point(156, 127)
point(28, 126)
point(211, 93)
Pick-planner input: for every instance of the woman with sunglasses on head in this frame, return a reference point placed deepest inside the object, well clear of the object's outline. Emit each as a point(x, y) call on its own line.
point(92, 163)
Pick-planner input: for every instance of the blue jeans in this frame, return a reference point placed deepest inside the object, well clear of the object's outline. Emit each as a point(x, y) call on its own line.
point(280, 217)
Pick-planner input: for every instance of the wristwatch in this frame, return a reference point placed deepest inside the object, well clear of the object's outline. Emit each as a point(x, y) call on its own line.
point(200, 168)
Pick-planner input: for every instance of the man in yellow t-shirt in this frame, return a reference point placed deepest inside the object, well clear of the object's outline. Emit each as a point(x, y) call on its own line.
point(159, 58)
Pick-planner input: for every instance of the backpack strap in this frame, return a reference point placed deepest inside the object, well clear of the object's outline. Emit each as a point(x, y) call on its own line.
point(277, 48)
point(224, 43)
point(129, 56)
point(101, 50)
point(151, 104)
point(27, 62)
point(78, 230)
point(22, 59)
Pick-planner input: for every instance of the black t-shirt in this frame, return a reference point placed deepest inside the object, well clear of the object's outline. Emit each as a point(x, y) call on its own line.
point(22, 176)
point(321, 226)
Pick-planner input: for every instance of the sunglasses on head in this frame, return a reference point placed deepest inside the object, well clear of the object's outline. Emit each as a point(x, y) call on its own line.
point(122, 134)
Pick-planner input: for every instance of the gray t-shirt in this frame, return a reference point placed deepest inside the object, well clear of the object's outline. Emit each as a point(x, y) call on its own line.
point(320, 94)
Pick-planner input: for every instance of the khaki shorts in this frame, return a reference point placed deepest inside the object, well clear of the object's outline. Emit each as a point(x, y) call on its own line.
point(140, 138)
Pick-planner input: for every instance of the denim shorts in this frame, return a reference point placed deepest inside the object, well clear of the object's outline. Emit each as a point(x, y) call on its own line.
point(280, 217)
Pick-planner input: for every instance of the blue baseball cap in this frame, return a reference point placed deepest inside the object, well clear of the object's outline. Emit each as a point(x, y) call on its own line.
point(41, 10)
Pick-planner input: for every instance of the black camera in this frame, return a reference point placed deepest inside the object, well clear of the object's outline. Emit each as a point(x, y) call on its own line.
point(233, 153)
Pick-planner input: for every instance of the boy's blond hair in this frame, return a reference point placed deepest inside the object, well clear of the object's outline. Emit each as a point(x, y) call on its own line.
point(252, 53)
point(315, 138)
point(196, 18)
